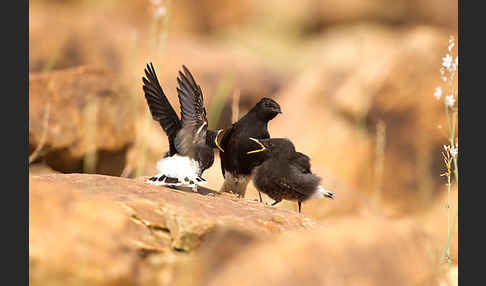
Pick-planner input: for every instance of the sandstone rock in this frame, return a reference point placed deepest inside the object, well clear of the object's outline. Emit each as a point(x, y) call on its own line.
point(113, 231)
point(73, 238)
point(353, 252)
point(41, 169)
point(209, 17)
point(360, 76)
point(89, 111)
point(68, 40)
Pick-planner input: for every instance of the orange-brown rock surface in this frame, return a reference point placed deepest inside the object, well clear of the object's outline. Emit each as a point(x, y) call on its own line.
point(355, 80)
point(87, 111)
point(361, 76)
point(375, 252)
point(96, 228)
point(104, 230)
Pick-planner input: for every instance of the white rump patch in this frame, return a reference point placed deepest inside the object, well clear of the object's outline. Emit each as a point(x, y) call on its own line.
point(321, 193)
point(183, 168)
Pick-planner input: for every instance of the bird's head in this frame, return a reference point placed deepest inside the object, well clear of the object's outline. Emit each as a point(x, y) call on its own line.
point(267, 109)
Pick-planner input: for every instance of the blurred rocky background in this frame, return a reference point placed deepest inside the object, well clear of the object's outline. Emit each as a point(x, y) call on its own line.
point(355, 80)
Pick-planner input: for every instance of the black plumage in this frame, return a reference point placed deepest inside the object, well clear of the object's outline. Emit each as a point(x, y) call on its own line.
point(189, 136)
point(236, 165)
point(285, 173)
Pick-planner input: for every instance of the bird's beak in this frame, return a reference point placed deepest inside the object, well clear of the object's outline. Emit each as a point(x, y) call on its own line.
point(258, 150)
point(216, 140)
point(198, 132)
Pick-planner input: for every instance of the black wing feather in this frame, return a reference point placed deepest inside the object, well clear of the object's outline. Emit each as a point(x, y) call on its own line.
point(191, 99)
point(224, 143)
point(160, 107)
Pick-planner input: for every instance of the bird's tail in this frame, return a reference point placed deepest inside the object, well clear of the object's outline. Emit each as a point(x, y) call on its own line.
point(321, 193)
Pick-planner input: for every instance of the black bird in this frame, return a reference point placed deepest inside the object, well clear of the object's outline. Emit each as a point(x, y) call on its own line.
point(285, 173)
point(236, 165)
point(190, 142)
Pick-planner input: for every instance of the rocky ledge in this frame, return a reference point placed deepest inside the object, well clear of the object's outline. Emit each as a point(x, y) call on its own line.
point(96, 228)
point(102, 230)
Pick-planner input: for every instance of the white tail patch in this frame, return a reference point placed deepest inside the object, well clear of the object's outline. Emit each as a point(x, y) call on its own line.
point(182, 168)
point(321, 193)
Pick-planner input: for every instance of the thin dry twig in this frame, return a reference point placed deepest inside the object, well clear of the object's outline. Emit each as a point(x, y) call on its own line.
point(127, 171)
point(42, 141)
point(380, 158)
point(235, 106)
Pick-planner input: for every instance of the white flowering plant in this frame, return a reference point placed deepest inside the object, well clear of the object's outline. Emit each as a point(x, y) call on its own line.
point(450, 153)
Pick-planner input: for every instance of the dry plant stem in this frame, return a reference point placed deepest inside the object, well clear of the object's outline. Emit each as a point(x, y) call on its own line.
point(91, 117)
point(126, 171)
point(133, 94)
point(454, 119)
point(448, 213)
point(380, 158)
point(165, 30)
point(235, 108)
point(154, 55)
point(42, 141)
point(218, 101)
point(451, 120)
point(50, 63)
point(143, 158)
point(135, 75)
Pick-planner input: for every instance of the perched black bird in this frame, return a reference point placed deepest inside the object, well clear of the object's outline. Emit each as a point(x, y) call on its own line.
point(285, 173)
point(190, 142)
point(236, 165)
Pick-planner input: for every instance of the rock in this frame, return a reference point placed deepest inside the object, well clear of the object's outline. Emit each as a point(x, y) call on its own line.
point(89, 111)
point(41, 169)
point(68, 41)
point(105, 230)
point(73, 238)
point(361, 76)
point(351, 252)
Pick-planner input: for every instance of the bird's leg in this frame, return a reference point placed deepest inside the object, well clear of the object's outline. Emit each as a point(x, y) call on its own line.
point(260, 195)
point(300, 206)
point(241, 187)
point(276, 202)
point(236, 190)
point(194, 188)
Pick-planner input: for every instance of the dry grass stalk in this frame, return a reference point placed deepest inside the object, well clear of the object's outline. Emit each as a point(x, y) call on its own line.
point(42, 141)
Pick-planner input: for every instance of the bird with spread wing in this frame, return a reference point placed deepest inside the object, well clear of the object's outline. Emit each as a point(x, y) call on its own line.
point(190, 142)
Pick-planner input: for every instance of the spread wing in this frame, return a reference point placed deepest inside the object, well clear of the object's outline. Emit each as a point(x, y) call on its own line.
point(193, 113)
point(160, 107)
